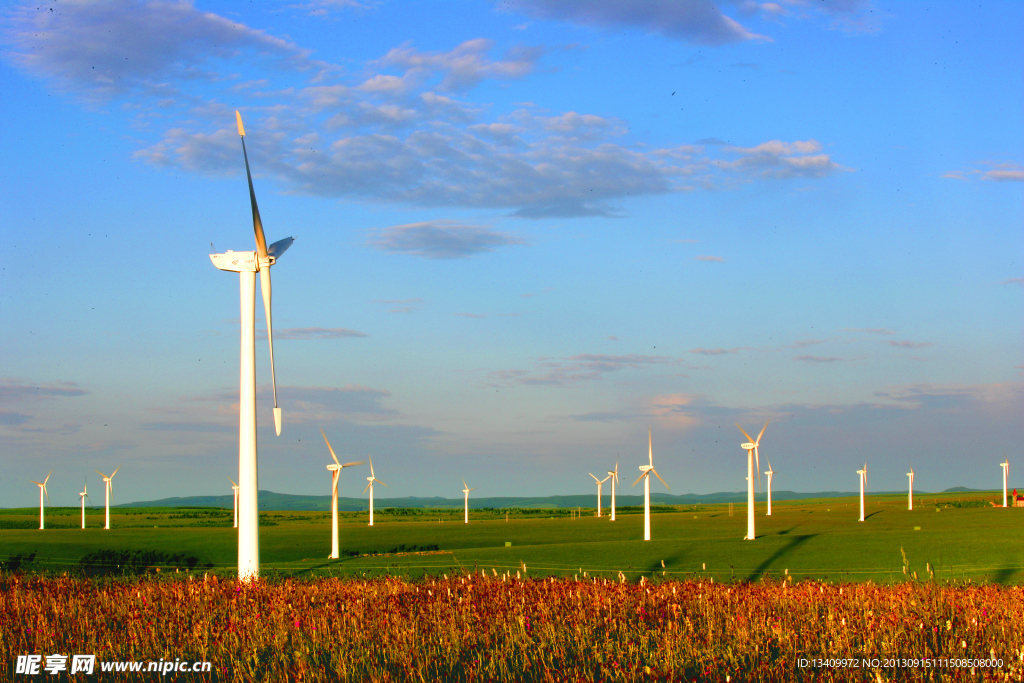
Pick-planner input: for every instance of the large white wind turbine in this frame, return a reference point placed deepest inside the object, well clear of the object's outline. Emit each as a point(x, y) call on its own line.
point(465, 490)
point(863, 480)
point(1006, 475)
point(752, 455)
point(770, 474)
point(110, 491)
point(42, 492)
point(82, 496)
point(247, 264)
point(234, 490)
point(600, 482)
point(369, 487)
point(614, 475)
point(335, 471)
point(646, 476)
point(910, 494)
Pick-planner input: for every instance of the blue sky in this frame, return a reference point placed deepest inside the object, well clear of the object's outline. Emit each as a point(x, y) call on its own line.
point(525, 233)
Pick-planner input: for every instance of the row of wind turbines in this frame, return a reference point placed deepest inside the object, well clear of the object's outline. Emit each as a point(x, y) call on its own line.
point(43, 493)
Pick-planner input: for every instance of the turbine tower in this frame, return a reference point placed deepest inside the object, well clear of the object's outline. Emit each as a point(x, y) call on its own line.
point(247, 264)
point(863, 480)
point(770, 473)
point(234, 489)
point(42, 492)
point(614, 475)
point(110, 491)
point(646, 476)
point(599, 483)
point(466, 490)
point(83, 495)
point(335, 471)
point(752, 455)
point(910, 494)
point(369, 487)
point(1006, 475)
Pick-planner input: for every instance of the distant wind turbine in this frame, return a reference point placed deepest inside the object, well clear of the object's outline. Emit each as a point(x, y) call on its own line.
point(42, 492)
point(335, 471)
point(600, 482)
point(910, 494)
point(646, 476)
point(863, 480)
point(1006, 475)
point(234, 489)
point(770, 474)
point(614, 474)
point(466, 490)
point(369, 487)
point(110, 491)
point(752, 455)
point(247, 264)
point(82, 496)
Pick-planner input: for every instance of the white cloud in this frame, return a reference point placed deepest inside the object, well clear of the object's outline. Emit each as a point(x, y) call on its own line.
point(441, 240)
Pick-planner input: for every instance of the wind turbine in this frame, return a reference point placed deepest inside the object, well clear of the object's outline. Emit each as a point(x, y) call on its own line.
point(247, 264)
point(646, 476)
point(910, 494)
point(110, 491)
point(234, 489)
point(752, 455)
point(369, 487)
point(770, 473)
point(83, 495)
point(42, 492)
point(465, 490)
point(614, 475)
point(1006, 474)
point(599, 483)
point(863, 480)
point(335, 470)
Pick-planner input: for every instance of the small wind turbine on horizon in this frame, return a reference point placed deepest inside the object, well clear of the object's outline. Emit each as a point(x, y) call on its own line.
point(110, 491)
point(770, 474)
point(752, 455)
point(863, 480)
point(466, 490)
point(247, 264)
point(646, 476)
point(234, 489)
point(82, 496)
point(600, 482)
point(910, 494)
point(1006, 475)
point(42, 492)
point(369, 487)
point(335, 471)
point(614, 475)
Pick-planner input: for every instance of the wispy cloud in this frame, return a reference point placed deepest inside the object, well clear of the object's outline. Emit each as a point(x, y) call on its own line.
point(994, 171)
point(907, 344)
point(712, 259)
point(441, 239)
point(818, 359)
point(699, 21)
point(470, 315)
point(300, 333)
point(575, 369)
point(402, 305)
point(869, 330)
point(1019, 281)
point(785, 160)
point(718, 351)
point(13, 390)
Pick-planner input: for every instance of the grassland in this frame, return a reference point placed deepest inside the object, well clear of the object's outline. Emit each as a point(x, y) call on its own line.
point(956, 536)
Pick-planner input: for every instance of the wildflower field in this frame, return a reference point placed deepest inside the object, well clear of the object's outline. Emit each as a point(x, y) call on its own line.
point(490, 626)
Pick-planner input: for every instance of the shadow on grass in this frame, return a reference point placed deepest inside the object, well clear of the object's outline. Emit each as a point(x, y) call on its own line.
point(785, 532)
point(669, 561)
point(1003, 575)
point(793, 544)
point(878, 512)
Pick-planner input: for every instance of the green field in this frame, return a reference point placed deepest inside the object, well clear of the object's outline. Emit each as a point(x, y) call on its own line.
point(958, 536)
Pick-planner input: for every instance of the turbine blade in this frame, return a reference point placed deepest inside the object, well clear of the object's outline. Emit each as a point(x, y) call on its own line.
point(659, 477)
point(744, 432)
point(232, 481)
point(351, 464)
point(371, 466)
point(650, 449)
point(329, 447)
point(279, 247)
point(48, 476)
point(464, 484)
point(46, 494)
point(115, 472)
point(592, 475)
point(101, 474)
point(758, 459)
point(257, 224)
point(639, 478)
point(266, 289)
point(368, 487)
point(762, 432)
point(380, 482)
point(37, 483)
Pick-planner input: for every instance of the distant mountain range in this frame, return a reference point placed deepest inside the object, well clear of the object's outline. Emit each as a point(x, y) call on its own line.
point(269, 500)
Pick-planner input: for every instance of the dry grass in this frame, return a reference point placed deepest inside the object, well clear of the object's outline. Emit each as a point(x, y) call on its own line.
point(488, 628)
